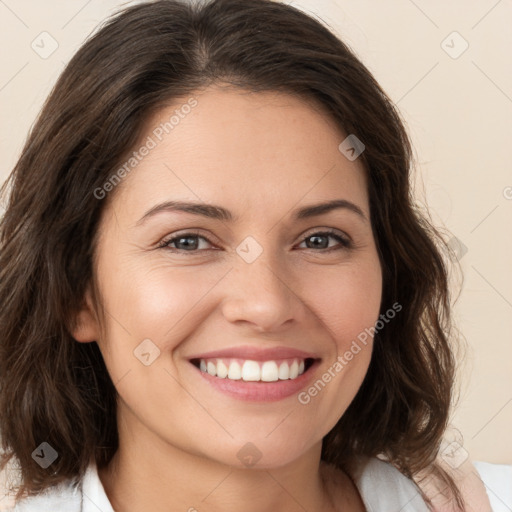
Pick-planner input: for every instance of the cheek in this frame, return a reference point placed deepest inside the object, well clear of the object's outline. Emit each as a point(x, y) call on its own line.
point(347, 303)
point(153, 299)
point(150, 309)
point(347, 300)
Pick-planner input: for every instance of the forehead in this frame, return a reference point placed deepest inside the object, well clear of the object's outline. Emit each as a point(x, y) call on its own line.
point(249, 150)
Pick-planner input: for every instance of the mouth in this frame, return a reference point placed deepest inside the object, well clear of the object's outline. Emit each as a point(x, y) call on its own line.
point(256, 374)
point(248, 370)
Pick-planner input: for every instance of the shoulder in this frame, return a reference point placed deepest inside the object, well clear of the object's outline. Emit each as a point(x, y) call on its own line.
point(497, 479)
point(384, 488)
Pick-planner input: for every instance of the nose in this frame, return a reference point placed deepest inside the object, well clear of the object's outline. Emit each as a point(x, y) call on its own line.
point(261, 294)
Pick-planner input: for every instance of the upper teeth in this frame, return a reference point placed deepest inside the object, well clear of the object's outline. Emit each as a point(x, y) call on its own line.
point(266, 371)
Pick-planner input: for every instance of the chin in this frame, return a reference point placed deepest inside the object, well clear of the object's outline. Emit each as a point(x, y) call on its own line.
point(260, 452)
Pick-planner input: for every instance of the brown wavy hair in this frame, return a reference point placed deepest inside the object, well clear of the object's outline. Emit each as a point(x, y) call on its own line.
point(57, 390)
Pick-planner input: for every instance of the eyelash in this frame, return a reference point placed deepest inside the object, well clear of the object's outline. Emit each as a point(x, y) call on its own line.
point(345, 243)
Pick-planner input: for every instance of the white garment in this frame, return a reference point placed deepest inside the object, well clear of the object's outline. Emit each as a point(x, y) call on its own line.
point(382, 487)
point(497, 479)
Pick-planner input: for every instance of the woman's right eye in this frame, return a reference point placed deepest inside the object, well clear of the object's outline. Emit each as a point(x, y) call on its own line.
point(184, 243)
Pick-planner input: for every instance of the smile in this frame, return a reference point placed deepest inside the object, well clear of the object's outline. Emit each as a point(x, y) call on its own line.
point(256, 374)
point(254, 371)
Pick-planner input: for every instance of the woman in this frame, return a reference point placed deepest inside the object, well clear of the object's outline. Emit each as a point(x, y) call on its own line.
point(175, 336)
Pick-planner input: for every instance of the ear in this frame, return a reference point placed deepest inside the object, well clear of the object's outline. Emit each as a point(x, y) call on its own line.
point(86, 328)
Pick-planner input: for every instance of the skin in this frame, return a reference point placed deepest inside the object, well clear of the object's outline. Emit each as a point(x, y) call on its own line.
point(261, 156)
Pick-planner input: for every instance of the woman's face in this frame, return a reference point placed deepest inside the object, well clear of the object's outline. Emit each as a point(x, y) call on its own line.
point(253, 286)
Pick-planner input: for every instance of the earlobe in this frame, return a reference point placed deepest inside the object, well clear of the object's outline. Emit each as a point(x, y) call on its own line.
point(86, 326)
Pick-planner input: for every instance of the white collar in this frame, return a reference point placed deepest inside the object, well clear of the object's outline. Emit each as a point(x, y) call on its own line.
point(381, 485)
point(94, 497)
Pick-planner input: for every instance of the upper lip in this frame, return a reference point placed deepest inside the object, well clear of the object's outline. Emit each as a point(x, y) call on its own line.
point(256, 353)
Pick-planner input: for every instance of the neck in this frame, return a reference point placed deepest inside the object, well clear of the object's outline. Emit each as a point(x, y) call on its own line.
point(146, 473)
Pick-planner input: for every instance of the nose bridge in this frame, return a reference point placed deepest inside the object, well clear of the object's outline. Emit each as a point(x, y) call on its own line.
point(258, 291)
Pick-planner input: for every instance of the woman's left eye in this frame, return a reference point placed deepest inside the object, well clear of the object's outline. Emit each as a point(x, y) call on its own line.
point(318, 238)
point(190, 242)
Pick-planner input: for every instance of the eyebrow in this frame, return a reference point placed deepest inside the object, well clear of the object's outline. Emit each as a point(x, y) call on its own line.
point(219, 213)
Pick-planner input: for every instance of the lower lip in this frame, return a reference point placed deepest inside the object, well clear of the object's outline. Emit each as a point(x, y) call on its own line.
point(260, 391)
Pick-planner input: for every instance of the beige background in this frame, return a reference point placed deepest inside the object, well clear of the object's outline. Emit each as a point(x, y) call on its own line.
point(458, 109)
